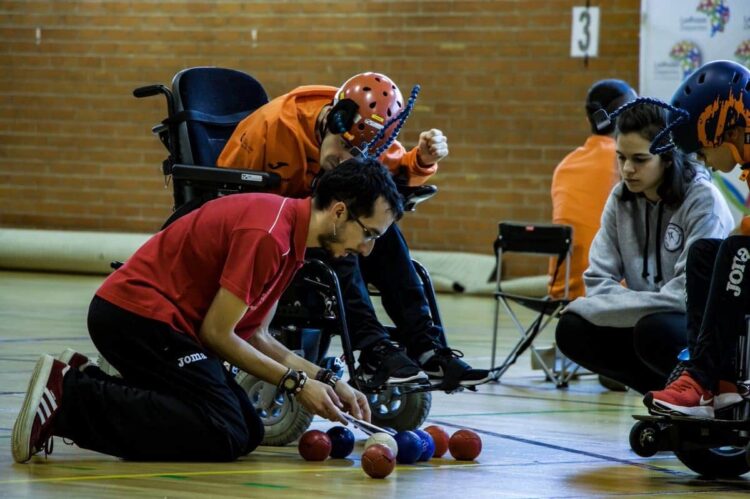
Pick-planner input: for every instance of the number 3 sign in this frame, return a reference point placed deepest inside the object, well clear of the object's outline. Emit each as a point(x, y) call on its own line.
point(584, 41)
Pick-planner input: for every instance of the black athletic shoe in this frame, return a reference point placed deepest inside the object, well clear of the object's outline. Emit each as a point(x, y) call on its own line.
point(385, 363)
point(445, 367)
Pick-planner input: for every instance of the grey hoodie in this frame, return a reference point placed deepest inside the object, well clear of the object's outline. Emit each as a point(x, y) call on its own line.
point(625, 249)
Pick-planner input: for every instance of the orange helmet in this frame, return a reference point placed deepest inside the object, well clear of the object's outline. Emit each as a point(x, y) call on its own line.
point(362, 106)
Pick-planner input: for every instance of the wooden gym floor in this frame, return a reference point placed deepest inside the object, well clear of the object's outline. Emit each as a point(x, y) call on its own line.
point(538, 441)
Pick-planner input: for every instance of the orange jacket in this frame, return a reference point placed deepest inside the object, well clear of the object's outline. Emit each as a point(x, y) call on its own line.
point(580, 187)
point(280, 137)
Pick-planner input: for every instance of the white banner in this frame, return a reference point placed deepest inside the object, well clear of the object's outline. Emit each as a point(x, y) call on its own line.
point(678, 36)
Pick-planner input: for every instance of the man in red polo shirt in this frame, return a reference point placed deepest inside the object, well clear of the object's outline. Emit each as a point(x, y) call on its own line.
point(199, 293)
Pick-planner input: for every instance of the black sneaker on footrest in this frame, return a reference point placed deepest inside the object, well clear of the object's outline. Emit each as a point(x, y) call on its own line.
point(445, 368)
point(385, 363)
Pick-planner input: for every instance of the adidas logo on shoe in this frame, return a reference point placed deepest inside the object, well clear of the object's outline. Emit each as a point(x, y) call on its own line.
point(32, 431)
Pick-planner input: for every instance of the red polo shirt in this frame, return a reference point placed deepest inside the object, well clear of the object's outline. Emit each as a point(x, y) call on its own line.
point(250, 244)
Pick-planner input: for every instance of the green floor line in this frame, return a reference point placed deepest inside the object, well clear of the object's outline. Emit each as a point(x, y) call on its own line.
point(265, 485)
point(77, 468)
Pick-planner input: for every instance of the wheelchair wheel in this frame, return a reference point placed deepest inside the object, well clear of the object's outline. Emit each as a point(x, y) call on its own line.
point(721, 462)
point(283, 420)
point(644, 438)
point(400, 411)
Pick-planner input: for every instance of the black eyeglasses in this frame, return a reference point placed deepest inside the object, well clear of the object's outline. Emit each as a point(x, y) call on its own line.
point(370, 234)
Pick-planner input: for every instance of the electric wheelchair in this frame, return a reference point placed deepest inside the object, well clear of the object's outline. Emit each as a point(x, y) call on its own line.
point(204, 106)
point(714, 448)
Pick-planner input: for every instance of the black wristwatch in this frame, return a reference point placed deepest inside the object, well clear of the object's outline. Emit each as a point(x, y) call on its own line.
point(293, 382)
point(328, 377)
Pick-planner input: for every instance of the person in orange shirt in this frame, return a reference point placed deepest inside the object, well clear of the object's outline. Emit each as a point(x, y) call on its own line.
point(312, 129)
point(582, 182)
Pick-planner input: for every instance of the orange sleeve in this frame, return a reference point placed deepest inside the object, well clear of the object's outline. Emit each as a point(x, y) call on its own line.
point(744, 227)
point(401, 162)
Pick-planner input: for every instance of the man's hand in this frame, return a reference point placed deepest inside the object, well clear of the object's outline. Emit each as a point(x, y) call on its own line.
point(355, 402)
point(320, 399)
point(433, 146)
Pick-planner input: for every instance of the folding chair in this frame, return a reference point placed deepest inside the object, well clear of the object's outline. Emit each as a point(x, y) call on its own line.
point(553, 240)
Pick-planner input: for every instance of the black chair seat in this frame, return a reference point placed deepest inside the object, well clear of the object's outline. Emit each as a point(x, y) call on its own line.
point(540, 305)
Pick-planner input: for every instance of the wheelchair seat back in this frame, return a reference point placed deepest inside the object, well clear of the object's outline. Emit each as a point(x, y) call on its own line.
point(209, 102)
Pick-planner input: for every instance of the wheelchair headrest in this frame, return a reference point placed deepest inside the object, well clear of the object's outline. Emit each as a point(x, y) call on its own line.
point(209, 103)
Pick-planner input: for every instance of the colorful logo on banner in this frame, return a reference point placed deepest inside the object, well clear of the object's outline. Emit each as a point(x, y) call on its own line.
point(742, 54)
point(688, 55)
point(717, 13)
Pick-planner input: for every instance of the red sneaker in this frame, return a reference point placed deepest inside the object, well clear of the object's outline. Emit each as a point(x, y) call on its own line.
point(684, 396)
point(74, 359)
point(727, 396)
point(32, 431)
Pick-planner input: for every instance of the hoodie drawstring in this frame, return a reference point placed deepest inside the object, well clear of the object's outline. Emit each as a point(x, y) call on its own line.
point(659, 277)
point(644, 272)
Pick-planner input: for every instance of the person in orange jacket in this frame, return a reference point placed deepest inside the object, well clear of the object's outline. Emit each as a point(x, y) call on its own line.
point(312, 129)
point(582, 182)
point(712, 119)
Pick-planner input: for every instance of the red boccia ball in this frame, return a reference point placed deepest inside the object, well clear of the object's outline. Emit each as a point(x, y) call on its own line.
point(440, 436)
point(378, 461)
point(314, 445)
point(465, 445)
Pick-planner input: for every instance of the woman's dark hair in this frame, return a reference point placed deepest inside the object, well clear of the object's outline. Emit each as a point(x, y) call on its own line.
point(647, 120)
point(358, 183)
point(607, 95)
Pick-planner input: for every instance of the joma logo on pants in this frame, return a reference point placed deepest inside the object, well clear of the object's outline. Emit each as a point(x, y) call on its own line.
point(738, 271)
point(193, 357)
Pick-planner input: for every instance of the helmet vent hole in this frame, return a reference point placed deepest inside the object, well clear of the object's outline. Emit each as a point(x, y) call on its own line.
point(373, 104)
point(399, 104)
point(361, 126)
point(385, 94)
point(389, 113)
point(701, 78)
point(393, 87)
point(366, 89)
point(735, 78)
point(377, 79)
point(688, 90)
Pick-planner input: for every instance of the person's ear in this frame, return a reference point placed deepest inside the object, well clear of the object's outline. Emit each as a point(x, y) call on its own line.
point(339, 209)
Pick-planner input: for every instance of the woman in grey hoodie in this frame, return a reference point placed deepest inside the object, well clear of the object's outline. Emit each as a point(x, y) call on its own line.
point(631, 324)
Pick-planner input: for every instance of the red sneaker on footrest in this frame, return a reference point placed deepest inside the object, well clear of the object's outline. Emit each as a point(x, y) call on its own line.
point(684, 396)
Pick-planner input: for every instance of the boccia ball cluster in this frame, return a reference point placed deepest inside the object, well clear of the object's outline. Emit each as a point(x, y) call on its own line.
point(382, 450)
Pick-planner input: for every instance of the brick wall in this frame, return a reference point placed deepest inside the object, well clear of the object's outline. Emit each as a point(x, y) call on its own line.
point(75, 146)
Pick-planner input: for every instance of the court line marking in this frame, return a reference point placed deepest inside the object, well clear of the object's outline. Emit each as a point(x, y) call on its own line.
point(39, 340)
point(187, 474)
point(603, 457)
point(546, 399)
point(516, 413)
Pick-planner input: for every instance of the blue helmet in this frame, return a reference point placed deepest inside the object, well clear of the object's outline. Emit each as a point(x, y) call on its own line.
point(717, 98)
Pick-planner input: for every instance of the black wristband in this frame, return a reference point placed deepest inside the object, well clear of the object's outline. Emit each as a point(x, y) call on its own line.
point(327, 376)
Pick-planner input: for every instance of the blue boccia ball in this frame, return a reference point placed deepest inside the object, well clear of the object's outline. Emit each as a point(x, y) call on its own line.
point(410, 447)
point(342, 441)
point(429, 445)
